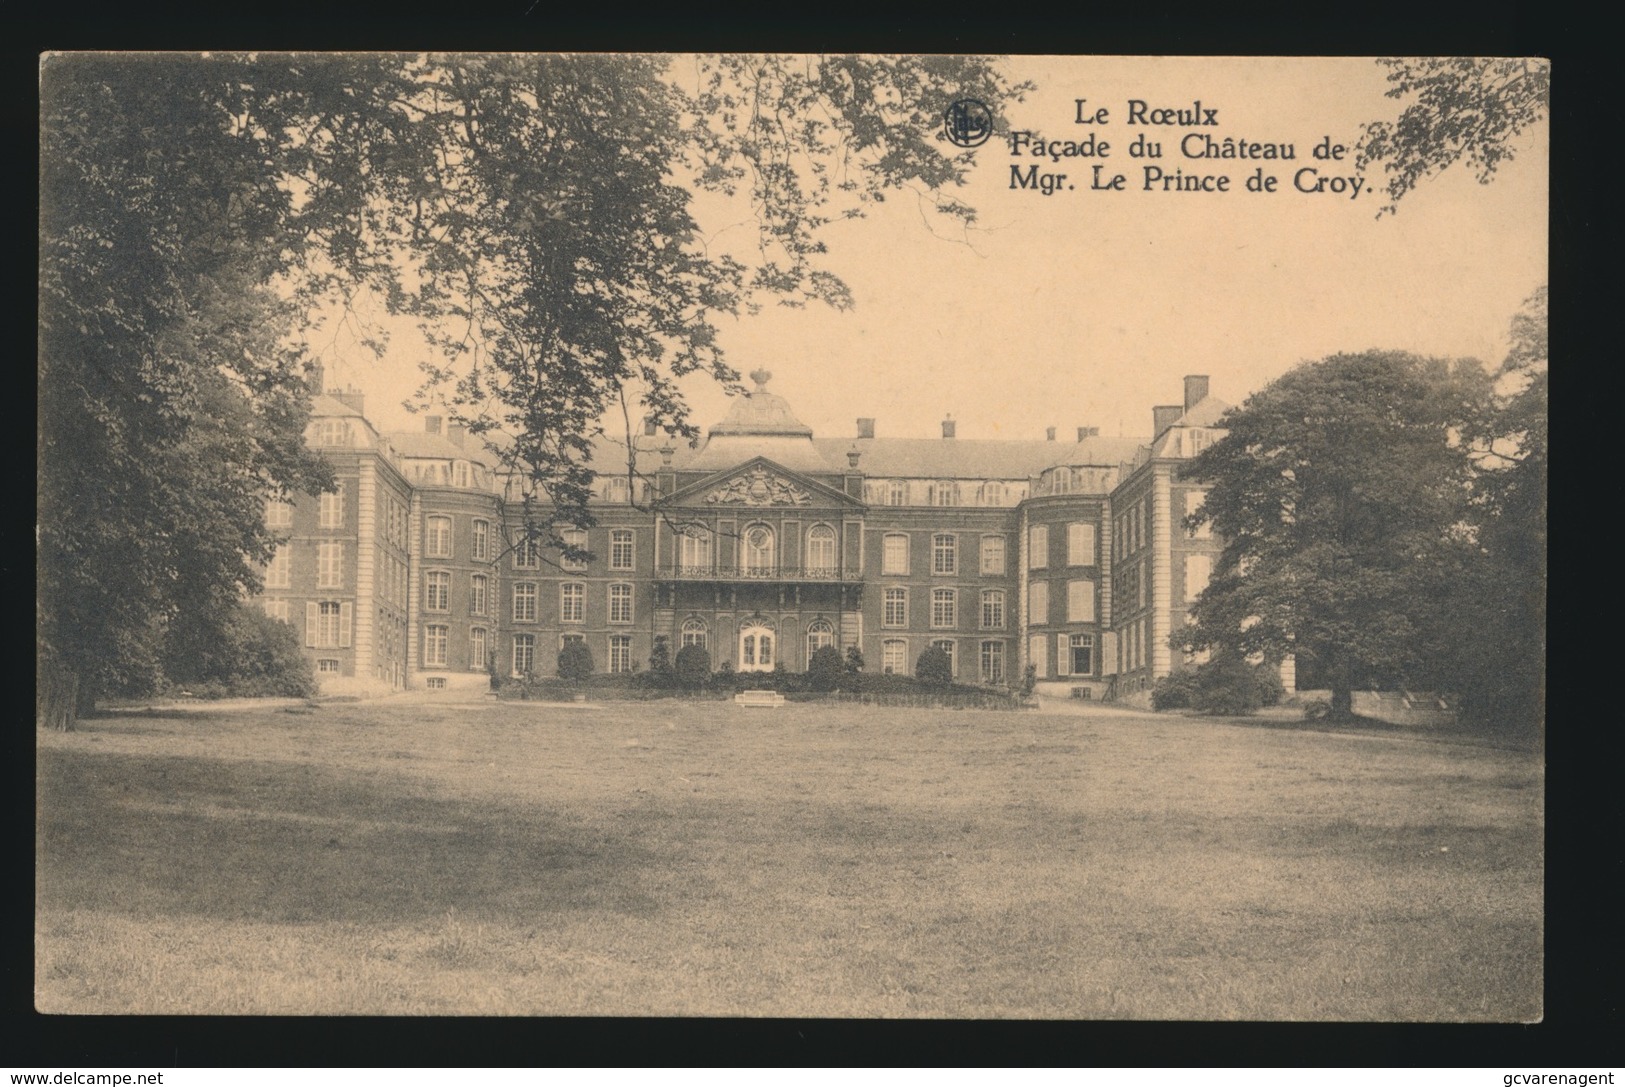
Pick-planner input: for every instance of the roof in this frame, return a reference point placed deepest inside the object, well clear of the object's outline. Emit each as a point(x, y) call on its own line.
point(974, 458)
point(761, 412)
point(323, 404)
point(417, 443)
point(1204, 412)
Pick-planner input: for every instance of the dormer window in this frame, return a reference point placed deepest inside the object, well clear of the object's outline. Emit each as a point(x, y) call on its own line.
point(459, 473)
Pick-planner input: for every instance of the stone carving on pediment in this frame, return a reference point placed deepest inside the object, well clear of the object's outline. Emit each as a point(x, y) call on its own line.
point(758, 487)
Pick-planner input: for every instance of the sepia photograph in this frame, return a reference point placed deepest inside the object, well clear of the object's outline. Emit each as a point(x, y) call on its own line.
point(922, 537)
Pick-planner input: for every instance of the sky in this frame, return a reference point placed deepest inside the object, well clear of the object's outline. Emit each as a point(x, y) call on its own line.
point(1086, 307)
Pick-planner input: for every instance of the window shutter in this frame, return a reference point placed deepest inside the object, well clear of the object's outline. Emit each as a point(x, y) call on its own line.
point(345, 616)
point(1063, 655)
point(310, 624)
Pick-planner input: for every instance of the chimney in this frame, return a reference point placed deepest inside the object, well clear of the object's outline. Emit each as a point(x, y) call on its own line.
point(1094, 432)
point(1163, 416)
point(1083, 432)
point(1049, 434)
point(456, 432)
point(866, 428)
point(1195, 390)
point(354, 397)
point(431, 424)
point(315, 371)
point(649, 426)
point(948, 427)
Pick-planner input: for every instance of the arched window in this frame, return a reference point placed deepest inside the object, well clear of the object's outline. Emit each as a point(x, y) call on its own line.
point(821, 551)
point(759, 551)
point(819, 634)
point(944, 492)
point(755, 647)
point(616, 490)
point(993, 493)
point(694, 632)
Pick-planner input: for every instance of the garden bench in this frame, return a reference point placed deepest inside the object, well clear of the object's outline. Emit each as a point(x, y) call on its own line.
point(759, 698)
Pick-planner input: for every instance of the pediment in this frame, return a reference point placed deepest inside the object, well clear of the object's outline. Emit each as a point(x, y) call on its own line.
point(760, 484)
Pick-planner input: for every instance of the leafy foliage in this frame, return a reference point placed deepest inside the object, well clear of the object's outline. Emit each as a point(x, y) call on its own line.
point(1176, 691)
point(825, 670)
point(1459, 107)
point(693, 666)
point(1342, 491)
point(246, 654)
point(575, 661)
point(934, 668)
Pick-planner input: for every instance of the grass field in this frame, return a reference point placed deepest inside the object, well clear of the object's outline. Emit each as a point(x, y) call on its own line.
point(675, 858)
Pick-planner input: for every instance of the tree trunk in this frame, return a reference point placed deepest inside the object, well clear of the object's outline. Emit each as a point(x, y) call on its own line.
point(1341, 674)
point(57, 694)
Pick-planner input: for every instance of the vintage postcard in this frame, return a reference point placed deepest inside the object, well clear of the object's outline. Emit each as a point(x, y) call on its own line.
point(912, 537)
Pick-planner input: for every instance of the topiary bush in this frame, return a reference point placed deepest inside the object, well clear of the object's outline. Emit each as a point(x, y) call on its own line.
point(575, 661)
point(1174, 692)
point(825, 670)
point(934, 668)
point(693, 667)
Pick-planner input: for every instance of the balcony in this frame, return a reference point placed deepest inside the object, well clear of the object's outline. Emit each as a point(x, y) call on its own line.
point(777, 574)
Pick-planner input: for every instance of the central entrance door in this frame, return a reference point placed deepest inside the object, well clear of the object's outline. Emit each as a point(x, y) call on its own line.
point(756, 647)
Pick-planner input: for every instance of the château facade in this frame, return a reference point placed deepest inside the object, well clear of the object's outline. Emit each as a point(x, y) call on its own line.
point(763, 543)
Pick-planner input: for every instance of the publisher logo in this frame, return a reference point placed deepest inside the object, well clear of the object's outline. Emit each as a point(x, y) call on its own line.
point(968, 123)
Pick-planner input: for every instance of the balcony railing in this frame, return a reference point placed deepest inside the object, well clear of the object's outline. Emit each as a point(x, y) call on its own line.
point(778, 572)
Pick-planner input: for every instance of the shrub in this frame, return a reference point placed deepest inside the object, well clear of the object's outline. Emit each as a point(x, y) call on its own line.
point(247, 655)
point(1174, 692)
point(1230, 687)
point(934, 668)
point(575, 661)
point(1317, 709)
point(1029, 680)
point(693, 667)
point(825, 670)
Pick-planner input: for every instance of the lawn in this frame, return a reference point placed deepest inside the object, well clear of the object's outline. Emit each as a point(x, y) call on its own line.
point(674, 858)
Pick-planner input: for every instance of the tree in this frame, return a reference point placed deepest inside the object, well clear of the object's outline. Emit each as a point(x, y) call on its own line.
point(1342, 492)
point(533, 211)
point(1460, 107)
point(934, 668)
point(824, 670)
point(575, 661)
point(693, 666)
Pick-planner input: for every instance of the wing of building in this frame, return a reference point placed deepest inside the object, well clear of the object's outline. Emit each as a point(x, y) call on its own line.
point(762, 544)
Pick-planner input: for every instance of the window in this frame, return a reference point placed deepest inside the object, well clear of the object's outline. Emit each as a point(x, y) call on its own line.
point(694, 633)
point(435, 683)
point(437, 591)
point(524, 654)
point(898, 492)
point(566, 639)
point(620, 649)
point(327, 665)
point(279, 572)
point(572, 602)
point(1140, 582)
point(821, 550)
point(616, 490)
point(993, 609)
point(755, 648)
point(1194, 501)
point(759, 551)
point(894, 657)
point(620, 548)
point(459, 473)
point(819, 634)
point(894, 553)
point(330, 565)
point(476, 594)
point(948, 646)
point(476, 650)
point(527, 552)
point(695, 554)
point(993, 548)
point(524, 602)
point(327, 625)
point(1038, 547)
point(1037, 645)
point(1080, 601)
point(944, 609)
point(1198, 570)
point(620, 603)
point(277, 609)
point(437, 538)
point(1083, 654)
point(331, 432)
point(993, 493)
point(1080, 544)
point(481, 546)
point(330, 509)
point(1038, 603)
point(434, 646)
point(894, 609)
point(944, 554)
point(575, 539)
point(278, 514)
point(944, 493)
point(992, 662)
